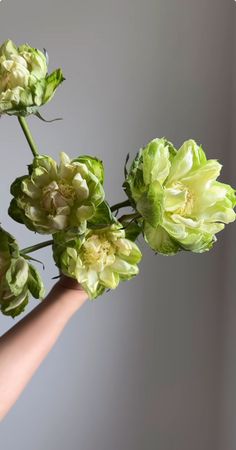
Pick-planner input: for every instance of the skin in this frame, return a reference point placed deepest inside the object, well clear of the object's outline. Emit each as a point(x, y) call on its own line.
point(26, 344)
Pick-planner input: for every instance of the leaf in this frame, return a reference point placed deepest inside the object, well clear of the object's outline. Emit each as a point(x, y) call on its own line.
point(125, 166)
point(30, 258)
point(37, 114)
point(52, 82)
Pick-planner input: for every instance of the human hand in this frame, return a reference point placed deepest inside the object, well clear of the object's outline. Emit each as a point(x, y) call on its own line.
point(70, 283)
point(73, 292)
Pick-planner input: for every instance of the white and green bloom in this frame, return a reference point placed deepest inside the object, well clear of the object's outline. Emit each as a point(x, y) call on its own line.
point(99, 259)
point(25, 84)
point(53, 198)
point(178, 196)
point(18, 278)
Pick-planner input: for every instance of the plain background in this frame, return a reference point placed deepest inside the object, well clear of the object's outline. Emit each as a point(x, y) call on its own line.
point(151, 365)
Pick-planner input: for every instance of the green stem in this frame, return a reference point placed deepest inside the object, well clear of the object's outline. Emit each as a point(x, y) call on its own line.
point(120, 205)
point(126, 217)
point(25, 127)
point(33, 248)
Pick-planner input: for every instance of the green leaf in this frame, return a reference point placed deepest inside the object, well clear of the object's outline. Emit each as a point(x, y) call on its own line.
point(37, 114)
point(125, 166)
point(52, 82)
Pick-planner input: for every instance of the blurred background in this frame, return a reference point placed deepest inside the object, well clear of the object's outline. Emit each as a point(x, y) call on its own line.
point(151, 365)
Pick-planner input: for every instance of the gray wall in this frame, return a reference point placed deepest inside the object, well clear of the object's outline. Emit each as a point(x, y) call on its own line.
point(228, 372)
point(142, 366)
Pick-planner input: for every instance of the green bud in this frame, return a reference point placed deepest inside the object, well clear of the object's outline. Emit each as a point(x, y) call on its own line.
point(18, 278)
point(24, 82)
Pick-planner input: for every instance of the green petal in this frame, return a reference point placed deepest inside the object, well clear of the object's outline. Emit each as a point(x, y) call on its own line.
point(134, 256)
point(219, 213)
point(81, 187)
point(17, 275)
point(150, 204)
point(189, 157)
point(201, 179)
point(212, 228)
point(160, 241)
point(109, 278)
point(102, 216)
point(35, 283)
point(30, 189)
point(186, 221)
point(122, 267)
point(176, 230)
point(15, 305)
point(15, 188)
point(174, 198)
point(95, 165)
point(8, 48)
point(91, 279)
point(156, 162)
point(198, 241)
point(58, 222)
point(85, 212)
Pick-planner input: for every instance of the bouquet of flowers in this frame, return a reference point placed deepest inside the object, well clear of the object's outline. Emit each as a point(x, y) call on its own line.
point(173, 196)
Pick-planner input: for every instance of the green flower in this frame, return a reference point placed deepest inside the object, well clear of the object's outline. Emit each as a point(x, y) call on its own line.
point(53, 198)
point(18, 278)
point(99, 259)
point(24, 82)
point(178, 197)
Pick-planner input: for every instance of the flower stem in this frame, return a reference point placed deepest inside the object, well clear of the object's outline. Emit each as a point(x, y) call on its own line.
point(126, 217)
point(120, 205)
point(33, 248)
point(25, 127)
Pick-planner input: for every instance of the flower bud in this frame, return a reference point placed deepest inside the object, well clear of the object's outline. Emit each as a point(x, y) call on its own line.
point(18, 278)
point(24, 81)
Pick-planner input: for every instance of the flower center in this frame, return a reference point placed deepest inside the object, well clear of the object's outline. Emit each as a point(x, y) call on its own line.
point(56, 195)
point(97, 250)
point(187, 208)
point(66, 190)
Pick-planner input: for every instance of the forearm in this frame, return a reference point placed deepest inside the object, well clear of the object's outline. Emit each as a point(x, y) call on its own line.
point(26, 344)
